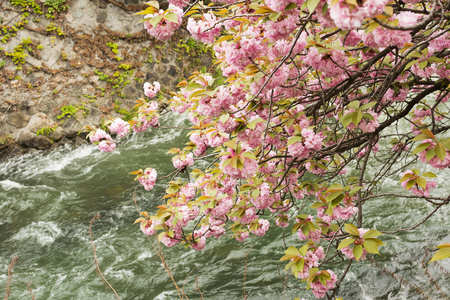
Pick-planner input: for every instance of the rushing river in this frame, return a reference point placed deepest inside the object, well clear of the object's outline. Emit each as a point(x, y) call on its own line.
point(48, 200)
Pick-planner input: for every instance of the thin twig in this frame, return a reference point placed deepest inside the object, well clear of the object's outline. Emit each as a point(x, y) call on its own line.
point(97, 265)
point(31, 291)
point(184, 283)
point(10, 274)
point(197, 288)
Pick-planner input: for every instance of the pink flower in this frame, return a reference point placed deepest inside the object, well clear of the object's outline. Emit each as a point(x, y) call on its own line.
point(346, 17)
point(199, 240)
point(99, 135)
point(148, 178)
point(263, 226)
point(205, 29)
point(416, 189)
point(120, 127)
point(347, 251)
point(319, 289)
point(106, 146)
point(151, 90)
point(182, 160)
point(165, 28)
point(148, 227)
point(242, 236)
point(435, 161)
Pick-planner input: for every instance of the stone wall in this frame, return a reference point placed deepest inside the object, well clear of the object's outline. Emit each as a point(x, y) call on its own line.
point(62, 71)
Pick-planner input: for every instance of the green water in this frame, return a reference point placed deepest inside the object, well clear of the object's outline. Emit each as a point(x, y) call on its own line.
point(48, 200)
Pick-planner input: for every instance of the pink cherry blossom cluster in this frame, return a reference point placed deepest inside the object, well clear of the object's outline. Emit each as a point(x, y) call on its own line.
point(204, 30)
point(310, 142)
point(148, 116)
point(120, 127)
point(183, 160)
point(148, 178)
point(348, 251)
point(319, 289)
point(435, 161)
point(273, 119)
point(151, 90)
point(105, 142)
point(348, 16)
point(165, 28)
point(416, 189)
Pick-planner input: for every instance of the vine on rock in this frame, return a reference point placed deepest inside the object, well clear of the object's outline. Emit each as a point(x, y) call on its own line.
point(308, 90)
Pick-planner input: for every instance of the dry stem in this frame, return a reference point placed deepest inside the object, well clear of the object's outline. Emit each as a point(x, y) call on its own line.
point(97, 265)
point(10, 274)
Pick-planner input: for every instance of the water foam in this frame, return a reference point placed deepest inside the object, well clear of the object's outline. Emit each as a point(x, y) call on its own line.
point(42, 232)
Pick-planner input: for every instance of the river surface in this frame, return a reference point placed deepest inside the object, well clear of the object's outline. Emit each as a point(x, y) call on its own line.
point(48, 200)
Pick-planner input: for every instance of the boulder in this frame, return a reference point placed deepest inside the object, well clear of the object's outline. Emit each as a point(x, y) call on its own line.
point(18, 119)
point(29, 139)
point(39, 121)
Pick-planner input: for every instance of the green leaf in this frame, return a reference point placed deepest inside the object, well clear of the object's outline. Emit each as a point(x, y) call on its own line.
point(333, 196)
point(354, 190)
point(441, 254)
point(290, 264)
point(446, 143)
point(372, 26)
point(371, 233)
point(351, 229)
point(422, 182)
point(409, 65)
point(249, 155)
point(368, 105)
point(303, 249)
point(292, 251)
point(379, 243)
point(155, 21)
point(147, 11)
point(439, 149)
point(172, 17)
point(421, 147)
point(294, 139)
point(368, 116)
point(428, 133)
point(196, 93)
point(193, 86)
point(371, 246)
point(325, 8)
point(429, 174)
point(255, 193)
point(345, 243)
point(410, 184)
point(430, 154)
point(231, 144)
point(347, 119)
point(354, 104)
point(296, 227)
point(357, 251)
point(423, 64)
point(420, 137)
point(317, 205)
point(312, 4)
point(274, 16)
point(357, 117)
point(290, 6)
point(337, 200)
point(155, 4)
point(300, 264)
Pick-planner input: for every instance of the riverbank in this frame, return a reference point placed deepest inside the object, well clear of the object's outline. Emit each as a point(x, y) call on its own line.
point(77, 63)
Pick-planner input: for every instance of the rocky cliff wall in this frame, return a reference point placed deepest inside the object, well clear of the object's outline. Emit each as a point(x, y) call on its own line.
point(67, 64)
